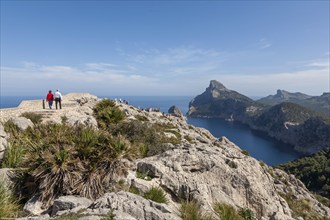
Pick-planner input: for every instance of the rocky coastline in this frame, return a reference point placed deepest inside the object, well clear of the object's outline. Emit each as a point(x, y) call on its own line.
point(288, 122)
point(196, 167)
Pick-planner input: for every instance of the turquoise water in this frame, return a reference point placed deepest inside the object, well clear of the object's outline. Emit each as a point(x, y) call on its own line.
point(259, 145)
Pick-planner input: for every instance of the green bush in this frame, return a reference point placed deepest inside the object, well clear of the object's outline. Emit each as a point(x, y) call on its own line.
point(190, 210)
point(156, 194)
point(245, 152)
point(109, 216)
point(144, 176)
point(106, 113)
point(247, 214)
point(80, 160)
point(11, 127)
point(34, 117)
point(226, 212)
point(8, 205)
point(313, 171)
point(13, 156)
point(142, 135)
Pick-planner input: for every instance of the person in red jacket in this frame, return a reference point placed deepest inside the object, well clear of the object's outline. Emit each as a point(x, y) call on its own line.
point(50, 98)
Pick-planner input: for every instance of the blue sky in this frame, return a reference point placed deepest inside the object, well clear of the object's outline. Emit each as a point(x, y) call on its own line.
point(164, 47)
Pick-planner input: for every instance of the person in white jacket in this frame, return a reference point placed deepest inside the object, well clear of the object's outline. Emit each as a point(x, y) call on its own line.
point(58, 99)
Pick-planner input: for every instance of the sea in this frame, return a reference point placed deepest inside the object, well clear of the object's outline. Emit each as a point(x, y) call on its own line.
point(258, 144)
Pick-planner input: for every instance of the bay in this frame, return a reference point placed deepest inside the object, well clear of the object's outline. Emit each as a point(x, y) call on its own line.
point(258, 144)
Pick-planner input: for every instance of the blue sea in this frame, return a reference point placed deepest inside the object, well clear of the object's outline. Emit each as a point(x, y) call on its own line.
point(258, 144)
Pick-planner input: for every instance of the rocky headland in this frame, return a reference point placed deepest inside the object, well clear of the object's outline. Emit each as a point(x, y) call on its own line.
point(305, 129)
point(190, 166)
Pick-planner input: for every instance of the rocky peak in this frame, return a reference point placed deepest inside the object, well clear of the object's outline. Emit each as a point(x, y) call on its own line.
point(215, 88)
point(216, 85)
point(285, 95)
point(281, 94)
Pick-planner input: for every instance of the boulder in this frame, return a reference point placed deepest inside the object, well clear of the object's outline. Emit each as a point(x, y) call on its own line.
point(5, 176)
point(34, 206)
point(22, 123)
point(133, 207)
point(67, 203)
point(78, 118)
point(174, 110)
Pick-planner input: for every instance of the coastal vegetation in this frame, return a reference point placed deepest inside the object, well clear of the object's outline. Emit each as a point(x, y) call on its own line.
point(81, 160)
point(8, 204)
point(303, 127)
point(156, 194)
point(313, 171)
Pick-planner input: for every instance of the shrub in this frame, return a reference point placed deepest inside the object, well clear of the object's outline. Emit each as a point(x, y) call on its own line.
point(188, 138)
point(64, 119)
point(34, 117)
point(11, 127)
point(226, 212)
point(134, 190)
point(156, 194)
point(13, 156)
point(144, 176)
point(142, 135)
point(106, 113)
point(322, 200)
point(190, 210)
point(245, 152)
point(59, 159)
point(8, 205)
point(109, 216)
point(247, 214)
point(301, 207)
point(141, 118)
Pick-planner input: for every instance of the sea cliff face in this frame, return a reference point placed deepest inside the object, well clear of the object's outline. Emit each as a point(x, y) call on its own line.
point(291, 123)
point(193, 166)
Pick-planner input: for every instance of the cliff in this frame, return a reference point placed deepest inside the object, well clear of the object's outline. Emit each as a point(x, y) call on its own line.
point(218, 101)
point(306, 130)
point(138, 152)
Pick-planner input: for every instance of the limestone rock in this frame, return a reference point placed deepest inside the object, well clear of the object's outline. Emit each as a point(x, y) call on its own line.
point(207, 175)
point(76, 118)
point(5, 176)
point(174, 110)
point(34, 206)
point(128, 204)
point(22, 123)
point(3, 141)
point(67, 203)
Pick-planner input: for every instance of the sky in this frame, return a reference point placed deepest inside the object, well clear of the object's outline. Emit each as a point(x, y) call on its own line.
point(160, 48)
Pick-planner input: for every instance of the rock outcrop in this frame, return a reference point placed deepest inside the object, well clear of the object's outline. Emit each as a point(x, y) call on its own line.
point(198, 167)
point(22, 123)
point(3, 141)
point(174, 110)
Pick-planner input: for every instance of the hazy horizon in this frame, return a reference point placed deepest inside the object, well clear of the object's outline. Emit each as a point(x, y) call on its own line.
point(164, 48)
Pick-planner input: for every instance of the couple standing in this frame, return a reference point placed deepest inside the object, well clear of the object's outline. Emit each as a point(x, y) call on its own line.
point(58, 99)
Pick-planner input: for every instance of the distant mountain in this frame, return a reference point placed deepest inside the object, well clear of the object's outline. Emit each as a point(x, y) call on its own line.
point(218, 101)
point(320, 104)
point(287, 121)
